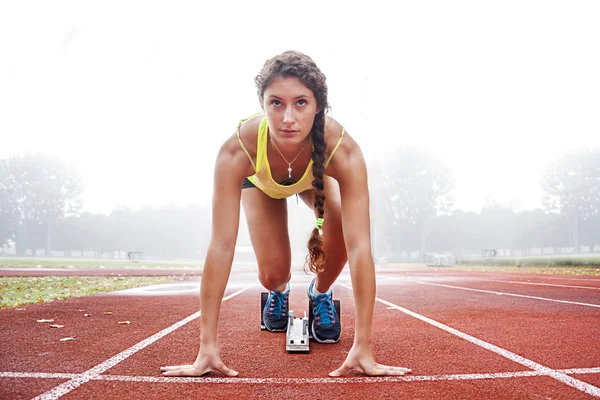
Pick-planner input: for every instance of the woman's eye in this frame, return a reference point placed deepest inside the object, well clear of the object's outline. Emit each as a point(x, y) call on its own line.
point(301, 102)
point(276, 103)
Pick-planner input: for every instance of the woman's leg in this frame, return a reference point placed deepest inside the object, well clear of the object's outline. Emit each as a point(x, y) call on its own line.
point(333, 237)
point(268, 226)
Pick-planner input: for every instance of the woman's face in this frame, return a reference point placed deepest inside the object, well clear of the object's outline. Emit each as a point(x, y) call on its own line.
point(290, 108)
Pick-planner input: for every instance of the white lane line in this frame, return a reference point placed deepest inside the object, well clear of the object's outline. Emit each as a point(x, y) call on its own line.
point(295, 381)
point(288, 381)
point(558, 278)
point(543, 284)
point(82, 378)
point(559, 376)
point(509, 294)
point(37, 375)
point(595, 370)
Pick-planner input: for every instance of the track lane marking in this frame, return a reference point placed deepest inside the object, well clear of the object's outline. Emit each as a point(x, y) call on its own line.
point(462, 273)
point(293, 381)
point(558, 278)
point(543, 284)
point(508, 294)
point(37, 375)
point(559, 376)
point(84, 377)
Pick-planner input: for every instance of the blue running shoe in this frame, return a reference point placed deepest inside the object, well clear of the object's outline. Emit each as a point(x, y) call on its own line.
point(275, 313)
point(325, 326)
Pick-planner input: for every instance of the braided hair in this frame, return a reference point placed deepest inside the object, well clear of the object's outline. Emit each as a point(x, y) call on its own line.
point(301, 66)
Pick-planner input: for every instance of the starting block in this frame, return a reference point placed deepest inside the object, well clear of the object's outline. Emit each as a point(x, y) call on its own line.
point(297, 332)
point(296, 338)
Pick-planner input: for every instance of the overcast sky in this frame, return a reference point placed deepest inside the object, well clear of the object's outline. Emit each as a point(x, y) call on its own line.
point(139, 96)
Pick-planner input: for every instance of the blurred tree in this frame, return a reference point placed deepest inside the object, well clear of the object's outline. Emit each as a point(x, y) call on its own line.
point(166, 232)
point(416, 187)
point(590, 232)
point(457, 232)
point(43, 191)
point(8, 205)
point(497, 226)
point(381, 232)
point(571, 187)
point(536, 228)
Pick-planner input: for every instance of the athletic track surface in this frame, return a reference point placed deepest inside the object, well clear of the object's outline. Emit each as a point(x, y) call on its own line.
point(465, 335)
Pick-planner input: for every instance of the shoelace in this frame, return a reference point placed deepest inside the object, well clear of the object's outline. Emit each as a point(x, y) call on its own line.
point(324, 310)
point(277, 306)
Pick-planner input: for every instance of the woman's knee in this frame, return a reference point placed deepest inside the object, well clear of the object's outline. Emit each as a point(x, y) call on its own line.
point(274, 276)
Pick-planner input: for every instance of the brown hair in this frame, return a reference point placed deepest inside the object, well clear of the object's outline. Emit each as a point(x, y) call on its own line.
point(301, 66)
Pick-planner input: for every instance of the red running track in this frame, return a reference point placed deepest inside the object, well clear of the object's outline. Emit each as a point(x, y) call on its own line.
point(465, 335)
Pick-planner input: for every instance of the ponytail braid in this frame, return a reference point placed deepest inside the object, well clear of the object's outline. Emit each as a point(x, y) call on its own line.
point(316, 254)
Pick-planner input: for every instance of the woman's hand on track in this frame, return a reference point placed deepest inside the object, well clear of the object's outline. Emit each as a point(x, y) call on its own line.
point(360, 359)
point(207, 361)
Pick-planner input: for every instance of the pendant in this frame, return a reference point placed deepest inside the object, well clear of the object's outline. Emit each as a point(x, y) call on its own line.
point(290, 171)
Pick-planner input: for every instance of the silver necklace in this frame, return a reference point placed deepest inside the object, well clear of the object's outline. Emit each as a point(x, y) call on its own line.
point(282, 156)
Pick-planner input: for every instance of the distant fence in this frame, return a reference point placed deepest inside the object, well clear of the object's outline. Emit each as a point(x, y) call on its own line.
point(488, 254)
point(483, 255)
point(118, 255)
point(440, 260)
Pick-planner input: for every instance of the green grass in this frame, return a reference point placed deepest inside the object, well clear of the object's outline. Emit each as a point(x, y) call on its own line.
point(491, 266)
point(27, 262)
point(531, 269)
point(15, 292)
point(563, 261)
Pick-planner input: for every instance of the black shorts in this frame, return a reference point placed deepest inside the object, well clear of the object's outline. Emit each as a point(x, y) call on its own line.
point(247, 184)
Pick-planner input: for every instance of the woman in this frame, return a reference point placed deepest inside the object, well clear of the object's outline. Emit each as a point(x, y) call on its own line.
point(292, 147)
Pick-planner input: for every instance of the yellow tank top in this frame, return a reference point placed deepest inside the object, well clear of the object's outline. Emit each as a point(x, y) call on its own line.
point(263, 179)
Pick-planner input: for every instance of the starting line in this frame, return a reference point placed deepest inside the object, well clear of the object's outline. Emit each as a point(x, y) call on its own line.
point(95, 373)
point(313, 381)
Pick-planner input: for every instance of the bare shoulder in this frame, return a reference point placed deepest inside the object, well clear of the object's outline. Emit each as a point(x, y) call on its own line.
point(348, 156)
point(231, 154)
point(248, 132)
point(333, 132)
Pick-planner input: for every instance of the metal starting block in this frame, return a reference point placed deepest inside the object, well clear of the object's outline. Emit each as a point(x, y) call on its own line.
point(296, 337)
point(297, 333)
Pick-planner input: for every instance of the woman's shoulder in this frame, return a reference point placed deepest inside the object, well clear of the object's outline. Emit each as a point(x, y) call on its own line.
point(347, 150)
point(249, 126)
point(236, 155)
point(337, 136)
point(247, 131)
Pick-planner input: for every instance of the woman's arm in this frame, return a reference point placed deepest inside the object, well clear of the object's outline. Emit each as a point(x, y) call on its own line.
point(225, 224)
point(351, 174)
point(230, 169)
point(349, 169)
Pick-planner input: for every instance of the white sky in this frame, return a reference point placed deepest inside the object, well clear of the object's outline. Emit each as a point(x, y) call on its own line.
point(139, 95)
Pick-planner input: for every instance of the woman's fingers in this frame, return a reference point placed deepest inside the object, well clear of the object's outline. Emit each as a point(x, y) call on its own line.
point(175, 367)
point(341, 371)
point(191, 370)
point(380, 370)
point(375, 370)
point(185, 372)
point(227, 371)
point(385, 370)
